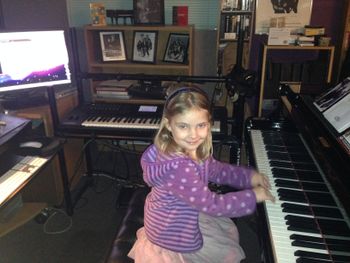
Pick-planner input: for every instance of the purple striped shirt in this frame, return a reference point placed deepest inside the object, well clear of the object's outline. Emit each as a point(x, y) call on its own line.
point(180, 191)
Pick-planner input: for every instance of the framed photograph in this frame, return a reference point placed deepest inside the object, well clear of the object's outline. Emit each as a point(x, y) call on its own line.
point(113, 46)
point(291, 14)
point(145, 46)
point(177, 48)
point(149, 12)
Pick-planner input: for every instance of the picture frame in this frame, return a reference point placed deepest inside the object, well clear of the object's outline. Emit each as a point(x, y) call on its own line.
point(112, 46)
point(145, 46)
point(177, 48)
point(149, 12)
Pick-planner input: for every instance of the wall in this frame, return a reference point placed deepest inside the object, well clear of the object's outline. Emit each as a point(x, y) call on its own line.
point(326, 13)
point(202, 13)
point(33, 14)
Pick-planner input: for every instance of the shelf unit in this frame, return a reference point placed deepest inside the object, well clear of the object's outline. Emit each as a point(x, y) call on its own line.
point(235, 16)
point(97, 65)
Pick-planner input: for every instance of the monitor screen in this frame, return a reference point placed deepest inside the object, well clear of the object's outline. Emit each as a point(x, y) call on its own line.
point(33, 59)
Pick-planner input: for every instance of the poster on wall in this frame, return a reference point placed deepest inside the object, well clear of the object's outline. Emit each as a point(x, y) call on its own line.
point(291, 14)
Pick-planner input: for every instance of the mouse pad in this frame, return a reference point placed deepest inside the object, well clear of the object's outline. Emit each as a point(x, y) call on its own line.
point(49, 146)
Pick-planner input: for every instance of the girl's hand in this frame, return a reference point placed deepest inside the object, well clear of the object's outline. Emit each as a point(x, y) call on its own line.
point(261, 180)
point(263, 194)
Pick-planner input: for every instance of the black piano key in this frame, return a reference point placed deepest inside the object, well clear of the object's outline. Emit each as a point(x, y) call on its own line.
point(284, 173)
point(284, 138)
point(306, 197)
point(291, 157)
point(285, 149)
point(297, 243)
point(326, 226)
point(330, 243)
point(314, 255)
point(296, 209)
point(301, 158)
point(310, 260)
point(287, 183)
point(280, 164)
point(309, 176)
point(302, 222)
point(294, 165)
point(292, 196)
point(301, 185)
point(318, 211)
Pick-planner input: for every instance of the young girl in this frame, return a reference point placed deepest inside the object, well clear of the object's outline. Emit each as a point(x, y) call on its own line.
point(184, 220)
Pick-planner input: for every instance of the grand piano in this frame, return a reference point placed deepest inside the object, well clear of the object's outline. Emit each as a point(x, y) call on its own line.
point(308, 164)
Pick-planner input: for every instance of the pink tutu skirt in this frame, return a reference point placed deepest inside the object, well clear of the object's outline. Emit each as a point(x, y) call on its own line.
point(221, 245)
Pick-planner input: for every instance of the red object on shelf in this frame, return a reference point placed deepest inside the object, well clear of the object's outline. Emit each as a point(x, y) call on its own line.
point(180, 15)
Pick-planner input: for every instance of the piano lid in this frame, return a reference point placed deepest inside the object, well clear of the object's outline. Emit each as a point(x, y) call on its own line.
point(324, 140)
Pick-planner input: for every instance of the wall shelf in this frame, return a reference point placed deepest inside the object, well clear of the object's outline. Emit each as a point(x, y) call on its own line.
point(97, 65)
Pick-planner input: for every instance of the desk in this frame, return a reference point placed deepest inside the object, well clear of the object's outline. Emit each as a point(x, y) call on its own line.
point(17, 172)
point(51, 186)
point(268, 55)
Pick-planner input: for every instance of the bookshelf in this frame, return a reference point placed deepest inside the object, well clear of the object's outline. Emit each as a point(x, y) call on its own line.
point(159, 67)
point(235, 16)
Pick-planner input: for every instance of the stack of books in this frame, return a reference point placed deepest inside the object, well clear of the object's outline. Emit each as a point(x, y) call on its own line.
point(305, 41)
point(314, 31)
point(117, 89)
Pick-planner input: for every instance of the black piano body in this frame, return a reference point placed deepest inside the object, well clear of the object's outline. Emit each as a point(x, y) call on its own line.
point(310, 174)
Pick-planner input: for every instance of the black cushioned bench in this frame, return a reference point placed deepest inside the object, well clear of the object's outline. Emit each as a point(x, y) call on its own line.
point(132, 221)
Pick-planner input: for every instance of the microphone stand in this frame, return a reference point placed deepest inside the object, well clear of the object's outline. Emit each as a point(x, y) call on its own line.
point(241, 83)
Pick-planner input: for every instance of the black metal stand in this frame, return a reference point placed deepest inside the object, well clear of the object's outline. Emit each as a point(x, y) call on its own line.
point(241, 83)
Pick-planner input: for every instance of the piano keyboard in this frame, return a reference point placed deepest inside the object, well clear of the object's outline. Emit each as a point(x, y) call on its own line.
point(130, 123)
point(13, 179)
point(307, 224)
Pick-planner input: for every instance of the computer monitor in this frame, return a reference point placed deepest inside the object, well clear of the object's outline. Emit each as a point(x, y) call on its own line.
point(33, 59)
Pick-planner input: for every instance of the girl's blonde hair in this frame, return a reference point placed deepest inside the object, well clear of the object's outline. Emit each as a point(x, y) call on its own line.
point(181, 100)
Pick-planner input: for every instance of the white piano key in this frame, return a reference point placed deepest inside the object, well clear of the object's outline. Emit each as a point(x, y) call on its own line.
point(139, 123)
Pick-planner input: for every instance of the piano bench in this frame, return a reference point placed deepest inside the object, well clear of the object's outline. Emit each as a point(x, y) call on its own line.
point(132, 221)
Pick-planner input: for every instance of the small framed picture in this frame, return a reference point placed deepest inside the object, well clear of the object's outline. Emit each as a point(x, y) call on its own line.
point(149, 12)
point(145, 46)
point(113, 46)
point(177, 48)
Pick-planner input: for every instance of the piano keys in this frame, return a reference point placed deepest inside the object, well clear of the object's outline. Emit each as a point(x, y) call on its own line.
point(307, 223)
point(126, 120)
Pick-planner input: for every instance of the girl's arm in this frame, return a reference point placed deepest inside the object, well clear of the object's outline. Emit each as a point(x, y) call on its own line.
point(239, 177)
point(184, 183)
